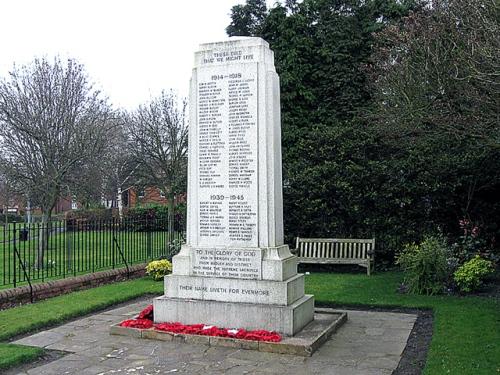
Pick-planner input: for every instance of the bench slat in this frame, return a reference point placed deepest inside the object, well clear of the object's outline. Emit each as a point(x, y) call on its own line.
point(338, 240)
point(360, 262)
point(336, 251)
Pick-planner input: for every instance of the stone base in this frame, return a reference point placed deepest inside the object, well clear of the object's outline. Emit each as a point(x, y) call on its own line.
point(235, 290)
point(287, 320)
point(277, 263)
point(305, 343)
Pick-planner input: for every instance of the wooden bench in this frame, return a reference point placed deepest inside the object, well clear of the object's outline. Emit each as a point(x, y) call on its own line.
point(336, 251)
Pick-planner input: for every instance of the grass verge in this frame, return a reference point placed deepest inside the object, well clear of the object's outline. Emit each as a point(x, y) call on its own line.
point(466, 329)
point(28, 318)
point(466, 333)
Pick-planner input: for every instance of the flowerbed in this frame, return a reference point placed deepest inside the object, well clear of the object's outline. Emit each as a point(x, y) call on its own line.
point(145, 321)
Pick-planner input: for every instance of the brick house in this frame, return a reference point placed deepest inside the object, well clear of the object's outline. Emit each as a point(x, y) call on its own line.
point(133, 197)
point(148, 195)
point(14, 205)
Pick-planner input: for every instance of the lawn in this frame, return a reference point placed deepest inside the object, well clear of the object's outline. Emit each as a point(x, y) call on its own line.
point(74, 253)
point(5, 231)
point(29, 318)
point(466, 329)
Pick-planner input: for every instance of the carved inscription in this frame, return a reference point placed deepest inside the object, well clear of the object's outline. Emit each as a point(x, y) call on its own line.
point(227, 154)
point(227, 56)
point(222, 290)
point(230, 263)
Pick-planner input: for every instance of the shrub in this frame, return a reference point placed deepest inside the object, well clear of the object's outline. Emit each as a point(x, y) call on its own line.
point(154, 217)
point(470, 275)
point(174, 247)
point(475, 239)
point(92, 214)
point(89, 219)
point(425, 265)
point(158, 268)
point(146, 212)
point(11, 218)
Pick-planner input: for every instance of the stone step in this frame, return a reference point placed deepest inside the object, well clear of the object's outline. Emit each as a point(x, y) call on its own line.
point(235, 290)
point(288, 320)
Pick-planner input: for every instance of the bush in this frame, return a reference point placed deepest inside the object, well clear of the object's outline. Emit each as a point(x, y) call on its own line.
point(154, 217)
point(158, 268)
point(92, 214)
point(425, 265)
point(174, 247)
point(470, 275)
point(475, 239)
point(146, 212)
point(11, 218)
point(89, 219)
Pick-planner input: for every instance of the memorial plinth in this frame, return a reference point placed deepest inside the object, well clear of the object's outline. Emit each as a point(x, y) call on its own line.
point(235, 270)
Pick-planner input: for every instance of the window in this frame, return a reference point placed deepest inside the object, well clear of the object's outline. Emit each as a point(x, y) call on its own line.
point(141, 193)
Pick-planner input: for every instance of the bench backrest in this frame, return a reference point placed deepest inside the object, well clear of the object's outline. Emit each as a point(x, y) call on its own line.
point(335, 248)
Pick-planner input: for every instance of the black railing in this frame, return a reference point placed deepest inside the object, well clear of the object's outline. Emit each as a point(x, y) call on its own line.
point(39, 252)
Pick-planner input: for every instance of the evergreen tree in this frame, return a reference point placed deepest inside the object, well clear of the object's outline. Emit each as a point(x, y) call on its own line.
point(342, 174)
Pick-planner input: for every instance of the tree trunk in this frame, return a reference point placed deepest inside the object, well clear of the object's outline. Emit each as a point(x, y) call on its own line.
point(6, 207)
point(69, 248)
point(119, 202)
point(29, 215)
point(171, 207)
point(43, 238)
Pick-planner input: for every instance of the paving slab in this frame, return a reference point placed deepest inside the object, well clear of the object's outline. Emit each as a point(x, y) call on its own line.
point(304, 343)
point(368, 343)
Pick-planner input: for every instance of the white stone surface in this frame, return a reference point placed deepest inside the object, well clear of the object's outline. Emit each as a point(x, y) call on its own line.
point(287, 320)
point(247, 291)
point(235, 270)
point(234, 181)
point(243, 263)
point(278, 263)
point(234, 172)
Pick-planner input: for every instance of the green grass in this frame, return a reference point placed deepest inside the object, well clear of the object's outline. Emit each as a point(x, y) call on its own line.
point(466, 329)
point(71, 254)
point(5, 231)
point(29, 318)
point(466, 333)
point(12, 355)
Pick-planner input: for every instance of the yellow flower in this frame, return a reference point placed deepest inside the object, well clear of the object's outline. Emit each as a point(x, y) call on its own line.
point(159, 268)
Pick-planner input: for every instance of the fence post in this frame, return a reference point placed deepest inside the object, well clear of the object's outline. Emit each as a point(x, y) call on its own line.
point(148, 238)
point(69, 237)
point(14, 255)
point(112, 243)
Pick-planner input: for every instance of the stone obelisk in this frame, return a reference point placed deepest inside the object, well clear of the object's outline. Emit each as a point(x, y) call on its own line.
point(235, 271)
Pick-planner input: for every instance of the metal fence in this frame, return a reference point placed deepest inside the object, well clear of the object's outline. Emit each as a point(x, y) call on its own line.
point(39, 252)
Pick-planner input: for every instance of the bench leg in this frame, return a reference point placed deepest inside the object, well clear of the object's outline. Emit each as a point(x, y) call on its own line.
point(368, 269)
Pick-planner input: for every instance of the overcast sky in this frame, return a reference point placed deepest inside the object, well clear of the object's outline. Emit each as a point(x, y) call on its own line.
point(131, 49)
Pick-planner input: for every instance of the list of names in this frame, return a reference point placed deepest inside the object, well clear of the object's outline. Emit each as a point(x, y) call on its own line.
point(227, 155)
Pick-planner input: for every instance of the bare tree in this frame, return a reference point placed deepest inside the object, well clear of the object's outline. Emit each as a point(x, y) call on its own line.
point(52, 123)
point(87, 185)
point(121, 166)
point(158, 137)
point(438, 71)
point(4, 197)
point(91, 182)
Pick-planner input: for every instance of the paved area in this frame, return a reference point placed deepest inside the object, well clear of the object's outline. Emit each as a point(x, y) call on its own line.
point(369, 343)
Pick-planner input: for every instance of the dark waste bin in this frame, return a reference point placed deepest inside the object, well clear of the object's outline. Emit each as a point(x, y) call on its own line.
point(23, 234)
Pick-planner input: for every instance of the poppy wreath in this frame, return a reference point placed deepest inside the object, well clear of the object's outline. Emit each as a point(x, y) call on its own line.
point(147, 313)
point(137, 323)
point(145, 321)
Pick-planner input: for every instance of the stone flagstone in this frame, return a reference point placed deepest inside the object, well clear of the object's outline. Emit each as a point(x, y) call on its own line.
point(351, 351)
